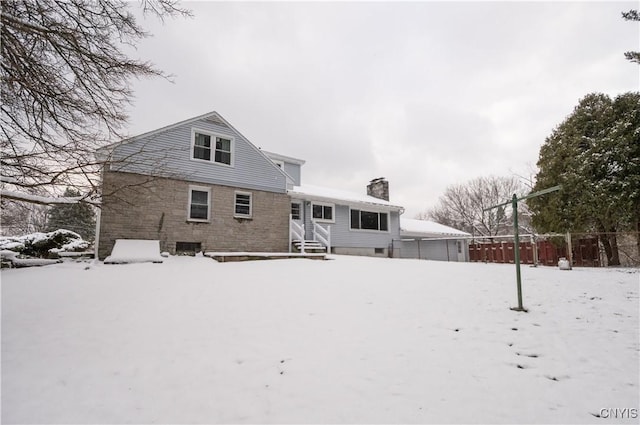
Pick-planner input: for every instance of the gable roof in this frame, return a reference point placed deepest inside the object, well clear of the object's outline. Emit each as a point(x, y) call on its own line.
point(211, 115)
point(209, 119)
point(318, 193)
point(425, 228)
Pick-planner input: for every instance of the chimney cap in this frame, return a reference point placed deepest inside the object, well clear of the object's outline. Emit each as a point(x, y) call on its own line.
point(378, 179)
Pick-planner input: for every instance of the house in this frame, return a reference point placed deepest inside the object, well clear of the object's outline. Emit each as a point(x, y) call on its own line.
point(357, 224)
point(427, 240)
point(195, 185)
point(200, 185)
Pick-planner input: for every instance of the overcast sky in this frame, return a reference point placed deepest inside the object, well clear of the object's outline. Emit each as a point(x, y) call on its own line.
point(426, 94)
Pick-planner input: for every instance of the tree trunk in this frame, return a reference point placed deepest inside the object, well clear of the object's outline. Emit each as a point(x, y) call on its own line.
point(615, 255)
point(610, 244)
point(638, 240)
point(607, 246)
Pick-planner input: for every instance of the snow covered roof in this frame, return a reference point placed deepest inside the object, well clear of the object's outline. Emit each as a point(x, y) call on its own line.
point(425, 228)
point(284, 158)
point(318, 193)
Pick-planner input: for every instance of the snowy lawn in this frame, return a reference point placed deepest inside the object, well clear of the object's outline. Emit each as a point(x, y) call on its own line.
point(351, 340)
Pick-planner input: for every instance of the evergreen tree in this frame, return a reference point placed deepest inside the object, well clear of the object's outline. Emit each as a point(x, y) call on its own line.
point(79, 218)
point(595, 154)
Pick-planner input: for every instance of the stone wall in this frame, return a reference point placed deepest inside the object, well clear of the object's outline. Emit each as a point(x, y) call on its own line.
point(142, 207)
point(378, 188)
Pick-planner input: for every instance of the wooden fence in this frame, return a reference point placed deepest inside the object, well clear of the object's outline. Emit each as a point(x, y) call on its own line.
point(585, 252)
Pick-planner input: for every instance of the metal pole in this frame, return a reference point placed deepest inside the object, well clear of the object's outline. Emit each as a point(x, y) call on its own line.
point(96, 240)
point(569, 250)
point(516, 250)
point(516, 235)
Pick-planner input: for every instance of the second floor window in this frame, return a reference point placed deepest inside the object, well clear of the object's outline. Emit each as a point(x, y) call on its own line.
point(202, 147)
point(212, 147)
point(223, 150)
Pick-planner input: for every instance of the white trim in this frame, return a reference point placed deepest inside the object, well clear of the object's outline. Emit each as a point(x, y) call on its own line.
point(322, 194)
point(278, 163)
point(283, 158)
point(213, 136)
point(324, 204)
point(235, 203)
point(209, 202)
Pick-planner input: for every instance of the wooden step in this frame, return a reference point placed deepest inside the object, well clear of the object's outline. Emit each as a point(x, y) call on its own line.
point(309, 246)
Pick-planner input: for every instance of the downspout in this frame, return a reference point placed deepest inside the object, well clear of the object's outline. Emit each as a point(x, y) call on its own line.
point(96, 240)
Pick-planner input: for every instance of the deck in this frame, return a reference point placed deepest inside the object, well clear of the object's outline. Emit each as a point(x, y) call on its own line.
point(223, 257)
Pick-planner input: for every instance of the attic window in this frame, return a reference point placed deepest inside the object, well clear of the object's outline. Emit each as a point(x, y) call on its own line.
point(223, 150)
point(202, 146)
point(212, 147)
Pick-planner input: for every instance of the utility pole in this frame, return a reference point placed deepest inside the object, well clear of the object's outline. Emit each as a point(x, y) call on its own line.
point(516, 235)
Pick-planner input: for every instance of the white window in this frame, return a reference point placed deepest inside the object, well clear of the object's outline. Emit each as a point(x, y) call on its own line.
point(295, 211)
point(368, 220)
point(323, 212)
point(243, 205)
point(223, 150)
point(212, 147)
point(199, 203)
point(202, 146)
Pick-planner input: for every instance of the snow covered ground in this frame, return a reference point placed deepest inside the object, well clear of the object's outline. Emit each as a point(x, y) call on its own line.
point(351, 340)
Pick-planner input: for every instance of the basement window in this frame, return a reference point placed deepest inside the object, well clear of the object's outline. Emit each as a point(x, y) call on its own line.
point(188, 248)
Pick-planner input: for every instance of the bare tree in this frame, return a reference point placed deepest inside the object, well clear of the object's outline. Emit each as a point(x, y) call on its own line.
point(20, 218)
point(463, 206)
point(632, 15)
point(65, 87)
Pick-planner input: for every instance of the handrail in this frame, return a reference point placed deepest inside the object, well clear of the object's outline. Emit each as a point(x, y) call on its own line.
point(296, 232)
point(322, 235)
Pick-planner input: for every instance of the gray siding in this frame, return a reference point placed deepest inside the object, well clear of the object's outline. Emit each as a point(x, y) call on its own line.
point(294, 171)
point(168, 153)
point(343, 236)
point(439, 250)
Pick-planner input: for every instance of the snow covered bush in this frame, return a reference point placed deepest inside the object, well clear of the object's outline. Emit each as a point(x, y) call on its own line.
point(44, 244)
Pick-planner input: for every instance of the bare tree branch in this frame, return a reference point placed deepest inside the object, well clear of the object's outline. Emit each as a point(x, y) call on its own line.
point(463, 206)
point(65, 87)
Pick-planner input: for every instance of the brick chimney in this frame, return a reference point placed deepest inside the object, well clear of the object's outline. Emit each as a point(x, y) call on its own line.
point(379, 188)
